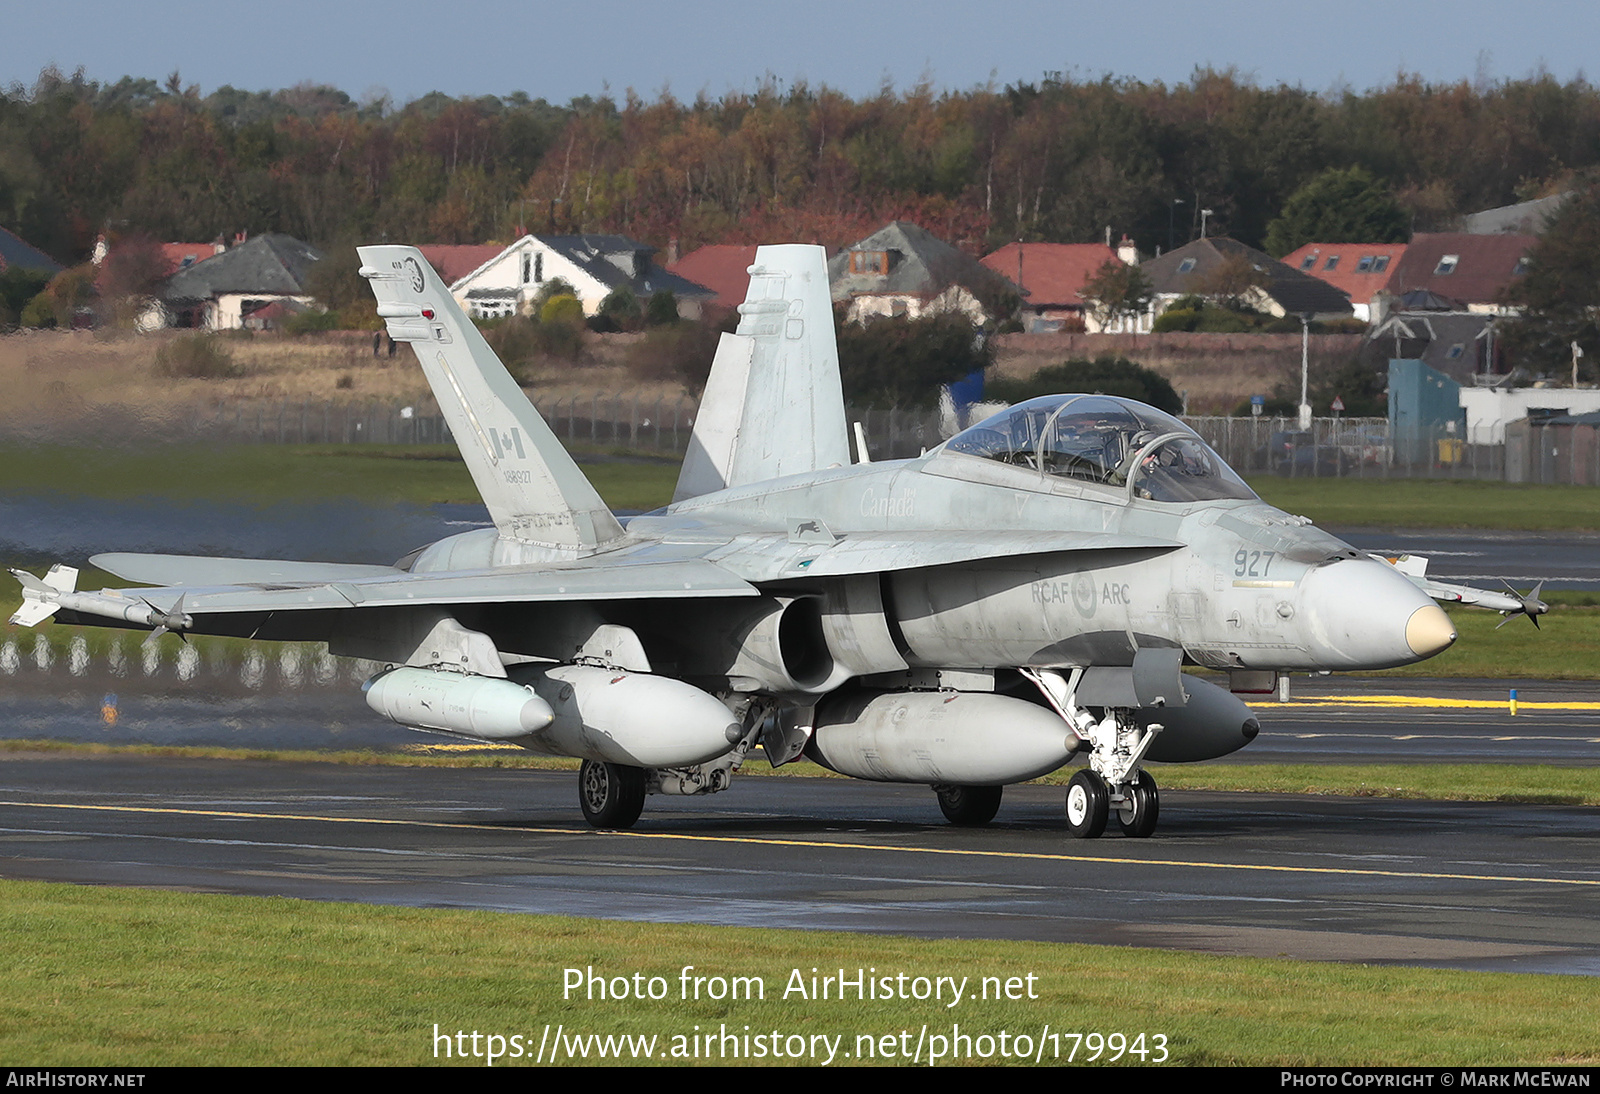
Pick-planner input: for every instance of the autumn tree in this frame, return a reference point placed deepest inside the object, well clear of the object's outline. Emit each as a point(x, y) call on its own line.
point(1236, 282)
point(134, 266)
point(1118, 291)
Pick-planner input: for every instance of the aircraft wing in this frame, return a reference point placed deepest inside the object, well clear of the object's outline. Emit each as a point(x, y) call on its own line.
point(175, 607)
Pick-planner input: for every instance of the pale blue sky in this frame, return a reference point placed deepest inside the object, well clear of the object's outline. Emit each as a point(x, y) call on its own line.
point(561, 50)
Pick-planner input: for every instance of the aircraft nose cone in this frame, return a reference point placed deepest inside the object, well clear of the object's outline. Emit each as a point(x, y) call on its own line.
point(1429, 631)
point(1364, 614)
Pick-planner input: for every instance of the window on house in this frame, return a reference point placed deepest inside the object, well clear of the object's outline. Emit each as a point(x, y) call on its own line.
point(1521, 267)
point(538, 268)
point(1455, 351)
point(1447, 264)
point(869, 262)
point(1333, 262)
point(1364, 265)
point(527, 268)
point(1186, 265)
point(1310, 261)
point(1380, 264)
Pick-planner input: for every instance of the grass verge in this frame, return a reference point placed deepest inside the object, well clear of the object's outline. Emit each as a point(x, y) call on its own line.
point(427, 474)
point(1566, 646)
point(273, 473)
point(1433, 503)
point(1528, 783)
point(117, 977)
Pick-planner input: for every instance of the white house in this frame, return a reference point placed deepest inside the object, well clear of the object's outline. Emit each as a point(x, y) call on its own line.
point(594, 265)
point(222, 292)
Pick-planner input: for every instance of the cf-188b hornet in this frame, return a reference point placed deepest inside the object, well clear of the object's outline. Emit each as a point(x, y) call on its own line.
point(1026, 592)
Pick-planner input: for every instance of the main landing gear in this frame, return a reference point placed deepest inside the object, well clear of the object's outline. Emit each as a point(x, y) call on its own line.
point(612, 795)
point(969, 806)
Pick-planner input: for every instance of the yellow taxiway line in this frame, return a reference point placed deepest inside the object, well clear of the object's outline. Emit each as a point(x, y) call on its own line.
point(1420, 702)
point(833, 845)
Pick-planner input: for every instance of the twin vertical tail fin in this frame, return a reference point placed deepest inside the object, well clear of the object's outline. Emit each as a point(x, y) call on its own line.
point(773, 404)
point(534, 491)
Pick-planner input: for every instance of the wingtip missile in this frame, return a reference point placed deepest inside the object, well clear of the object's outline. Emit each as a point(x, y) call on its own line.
point(1530, 606)
point(43, 597)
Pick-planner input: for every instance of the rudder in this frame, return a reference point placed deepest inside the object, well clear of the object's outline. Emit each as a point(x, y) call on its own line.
point(773, 403)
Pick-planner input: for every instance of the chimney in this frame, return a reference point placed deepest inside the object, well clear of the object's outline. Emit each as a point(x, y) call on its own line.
point(672, 251)
point(1128, 252)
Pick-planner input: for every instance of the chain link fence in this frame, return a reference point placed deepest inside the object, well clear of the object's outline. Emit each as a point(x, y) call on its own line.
point(1535, 451)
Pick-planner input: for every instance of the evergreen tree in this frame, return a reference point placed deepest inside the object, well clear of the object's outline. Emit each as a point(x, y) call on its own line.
point(1338, 206)
point(1560, 293)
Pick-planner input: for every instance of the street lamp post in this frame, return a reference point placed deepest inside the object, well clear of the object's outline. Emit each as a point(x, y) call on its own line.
point(1172, 207)
point(1305, 359)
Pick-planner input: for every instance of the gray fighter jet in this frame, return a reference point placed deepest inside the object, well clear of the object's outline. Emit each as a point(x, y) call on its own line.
point(981, 615)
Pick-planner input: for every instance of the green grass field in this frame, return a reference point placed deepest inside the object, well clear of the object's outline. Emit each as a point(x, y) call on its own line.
point(264, 474)
point(129, 978)
point(1434, 503)
point(1527, 783)
point(434, 473)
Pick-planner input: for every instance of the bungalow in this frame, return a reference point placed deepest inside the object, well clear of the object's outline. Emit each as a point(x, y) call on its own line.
point(508, 280)
point(18, 254)
point(224, 291)
point(1203, 267)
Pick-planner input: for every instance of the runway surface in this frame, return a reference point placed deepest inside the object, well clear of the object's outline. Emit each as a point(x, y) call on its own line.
point(1499, 887)
point(1335, 719)
point(1567, 561)
point(1485, 886)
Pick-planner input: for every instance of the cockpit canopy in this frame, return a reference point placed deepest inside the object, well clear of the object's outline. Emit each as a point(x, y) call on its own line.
point(1106, 440)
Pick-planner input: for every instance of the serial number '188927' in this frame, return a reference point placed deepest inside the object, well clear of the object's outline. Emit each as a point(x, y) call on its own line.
point(514, 476)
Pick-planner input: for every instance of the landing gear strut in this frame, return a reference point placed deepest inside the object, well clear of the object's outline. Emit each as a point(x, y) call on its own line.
point(1114, 781)
point(612, 795)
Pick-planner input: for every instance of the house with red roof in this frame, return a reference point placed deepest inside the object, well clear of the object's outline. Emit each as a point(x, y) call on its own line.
point(454, 261)
point(1360, 270)
point(724, 268)
point(180, 256)
point(1472, 270)
point(1052, 277)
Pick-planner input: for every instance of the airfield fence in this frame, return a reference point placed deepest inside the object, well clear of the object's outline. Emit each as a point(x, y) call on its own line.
point(651, 425)
point(1560, 451)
